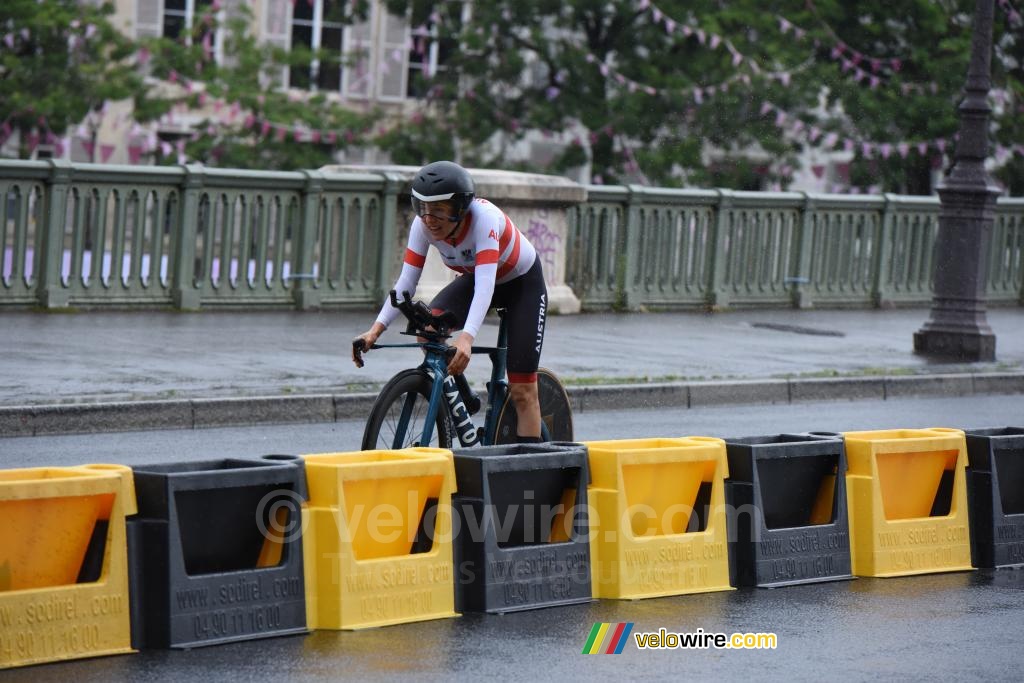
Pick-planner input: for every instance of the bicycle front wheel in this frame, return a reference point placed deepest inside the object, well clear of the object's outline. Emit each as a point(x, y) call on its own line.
point(398, 415)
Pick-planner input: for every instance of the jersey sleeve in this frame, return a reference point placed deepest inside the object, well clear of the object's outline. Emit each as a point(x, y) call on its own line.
point(412, 268)
point(484, 273)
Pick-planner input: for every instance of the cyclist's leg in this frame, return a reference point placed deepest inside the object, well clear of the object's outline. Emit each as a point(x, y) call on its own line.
point(456, 297)
point(525, 300)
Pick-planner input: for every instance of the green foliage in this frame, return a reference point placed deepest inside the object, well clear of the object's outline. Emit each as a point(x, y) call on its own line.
point(485, 102)
point(66, 60)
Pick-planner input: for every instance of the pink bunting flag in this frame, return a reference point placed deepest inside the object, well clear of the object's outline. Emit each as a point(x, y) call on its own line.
point(904, 149)
point(282, 132)
point(670, 26)
point(32, 141)
point(9, 40)
point(90, 31)
point(780, 118)
point(603, 68)
point(818, 170)
point(875, 82)
point(784, 24)
point(940, 145)
point(886, 149)
point(650, 90)
point(105, 152)
point(332, 137)
point(848, 145)
point(814, 134)
point(265, 128)
point(765, 108)
point(698, 95)
point(134, 154)
point(715, 40)
point(315, 136)
point(656, 13)
point(5, 132)
point(88, 146)
point(701, 36)
point(831, 139)
point(922, 148)
point(867, 149)
point(173, 76)
point(895, 64)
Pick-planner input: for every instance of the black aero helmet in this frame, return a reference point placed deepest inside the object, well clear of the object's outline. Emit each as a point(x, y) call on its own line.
point(443, 181)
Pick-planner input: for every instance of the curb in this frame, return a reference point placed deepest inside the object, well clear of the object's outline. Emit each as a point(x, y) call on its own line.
point(87, 418)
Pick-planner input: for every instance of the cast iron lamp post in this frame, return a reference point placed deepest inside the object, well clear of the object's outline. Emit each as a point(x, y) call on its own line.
point(957, 328)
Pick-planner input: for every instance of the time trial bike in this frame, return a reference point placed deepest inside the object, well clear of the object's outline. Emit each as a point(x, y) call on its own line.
point(426, 406)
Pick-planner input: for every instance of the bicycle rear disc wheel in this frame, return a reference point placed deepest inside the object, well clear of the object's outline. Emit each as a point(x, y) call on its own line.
point(408, 391)
point(555, 411)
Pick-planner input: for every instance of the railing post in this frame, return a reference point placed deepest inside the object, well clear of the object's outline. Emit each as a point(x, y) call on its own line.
point(392, 188)
point(305, 289)
point(50, 289)
point(184, 289)
point(717, 292)
point(880, 288)
point(800, 278)
point(629, 245)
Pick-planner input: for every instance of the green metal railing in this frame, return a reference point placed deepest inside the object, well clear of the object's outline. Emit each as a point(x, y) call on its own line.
point(190, 237)
point(638, 247)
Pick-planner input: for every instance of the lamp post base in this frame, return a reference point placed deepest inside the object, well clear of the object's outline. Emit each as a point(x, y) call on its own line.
point(957, 345)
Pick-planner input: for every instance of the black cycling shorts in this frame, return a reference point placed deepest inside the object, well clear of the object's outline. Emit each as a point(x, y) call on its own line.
point(525, 300)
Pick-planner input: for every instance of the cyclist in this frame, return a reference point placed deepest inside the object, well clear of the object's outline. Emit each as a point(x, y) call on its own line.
point(498, 267)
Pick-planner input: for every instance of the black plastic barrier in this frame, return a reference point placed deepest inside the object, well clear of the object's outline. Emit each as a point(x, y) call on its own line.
point(215, 552)
point(520, 516)
point(787, 509)
point(995, 491)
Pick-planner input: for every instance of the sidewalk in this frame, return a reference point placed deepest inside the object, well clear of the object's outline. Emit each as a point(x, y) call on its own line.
point(107, 371)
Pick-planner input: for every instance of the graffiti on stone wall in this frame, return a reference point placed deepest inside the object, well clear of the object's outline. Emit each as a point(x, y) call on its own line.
point(545, 241)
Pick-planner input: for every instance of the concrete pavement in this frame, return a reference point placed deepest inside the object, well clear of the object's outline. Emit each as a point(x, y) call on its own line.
point(116, 371)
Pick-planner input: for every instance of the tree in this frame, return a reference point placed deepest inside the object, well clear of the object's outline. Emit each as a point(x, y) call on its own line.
point(247, 119)
point(677, 92)
point(59, 60)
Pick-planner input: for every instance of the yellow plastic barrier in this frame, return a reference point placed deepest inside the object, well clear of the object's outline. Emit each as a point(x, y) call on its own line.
point(657, 522)
point(907, 497)
point(378, 540)
point(64, 563)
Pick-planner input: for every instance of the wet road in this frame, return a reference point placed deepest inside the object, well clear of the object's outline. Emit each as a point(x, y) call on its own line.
point(960, 626)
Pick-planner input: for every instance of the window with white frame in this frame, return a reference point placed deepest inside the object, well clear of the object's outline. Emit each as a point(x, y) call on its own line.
point(428, 53)
point(319, 26)
point(181, 15)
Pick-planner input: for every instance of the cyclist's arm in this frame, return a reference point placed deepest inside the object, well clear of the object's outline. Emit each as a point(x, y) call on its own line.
point(485, 272)
point(409, 278)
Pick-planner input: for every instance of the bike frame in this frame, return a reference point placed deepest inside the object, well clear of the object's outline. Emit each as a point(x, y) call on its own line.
point(435, 363)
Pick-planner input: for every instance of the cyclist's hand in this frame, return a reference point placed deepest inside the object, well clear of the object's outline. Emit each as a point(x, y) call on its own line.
point(460, 359)
point(363, 343)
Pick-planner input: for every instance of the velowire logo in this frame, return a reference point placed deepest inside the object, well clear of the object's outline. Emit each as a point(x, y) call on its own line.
point(607, 639)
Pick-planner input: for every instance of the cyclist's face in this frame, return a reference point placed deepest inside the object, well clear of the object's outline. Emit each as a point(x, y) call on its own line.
point(437, 217)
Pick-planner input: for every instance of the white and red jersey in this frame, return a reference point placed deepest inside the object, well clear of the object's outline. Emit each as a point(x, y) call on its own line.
point(487, 246)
